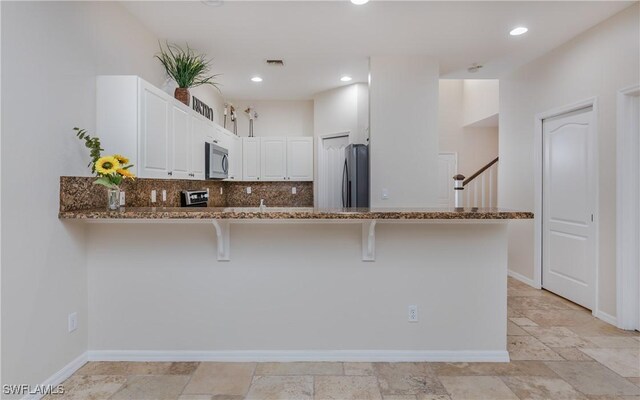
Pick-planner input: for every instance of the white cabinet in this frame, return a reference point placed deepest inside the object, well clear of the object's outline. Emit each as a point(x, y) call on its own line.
point(200, 130)
point(273, 159)
point(277, 159)
point(154, 141)
point(180, 131)
point(251, 159)
point(235, 157)
point(162, 137)
point(300, 158)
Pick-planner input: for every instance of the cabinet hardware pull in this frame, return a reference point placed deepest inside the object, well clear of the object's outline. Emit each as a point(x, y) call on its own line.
point(170, 173)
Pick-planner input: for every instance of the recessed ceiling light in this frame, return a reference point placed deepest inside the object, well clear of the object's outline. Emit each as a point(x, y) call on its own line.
point(346, 78)
point(518, 31)
point(359, 2)
point(256, 79)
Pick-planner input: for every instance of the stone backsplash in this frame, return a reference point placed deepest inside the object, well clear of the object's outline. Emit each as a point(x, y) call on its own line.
point(79, 193)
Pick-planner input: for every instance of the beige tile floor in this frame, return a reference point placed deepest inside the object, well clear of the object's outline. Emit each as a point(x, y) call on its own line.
point(558, 352)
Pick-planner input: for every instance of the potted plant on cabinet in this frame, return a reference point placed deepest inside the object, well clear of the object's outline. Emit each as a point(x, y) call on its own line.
point(187, 68)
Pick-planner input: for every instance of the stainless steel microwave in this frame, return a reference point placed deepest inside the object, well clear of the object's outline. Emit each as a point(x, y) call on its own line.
point(216, 162)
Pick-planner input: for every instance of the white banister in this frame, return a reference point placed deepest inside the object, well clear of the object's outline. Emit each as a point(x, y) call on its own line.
point(482, 187)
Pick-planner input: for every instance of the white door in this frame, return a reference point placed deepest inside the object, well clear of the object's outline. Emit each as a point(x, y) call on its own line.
point(330, 163)
point(300, 158)
point(250, 159)
point(273, 159)
point(447, 165)
point(568, 207)
point(180, 146)
point(200, 130)
point(154, 142)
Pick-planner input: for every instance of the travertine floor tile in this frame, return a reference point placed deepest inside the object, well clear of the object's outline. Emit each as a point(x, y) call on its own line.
point(299, 368)
point(613, 342)
point(104, 368)
point(593, 378)
point(634, 380)
point(529, 348)
point(595, 327)
point(559, 317)
point(358, 368)
point(164, 387)
point(537, 388)
point(513, 368)
point(97, 387)
point(221, 379)
point(557, 336)
point(537, 303)
point(281, 387)
point(410, 384)
point(477, 388)
point(405, 368)
point(523, 321)
point(515, 330)
point(571, 354)
point(346, 388)
point(195, 397)
point(399, 397)
point(626, 362)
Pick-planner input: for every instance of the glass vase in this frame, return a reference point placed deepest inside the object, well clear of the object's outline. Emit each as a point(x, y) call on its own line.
point(113, 199)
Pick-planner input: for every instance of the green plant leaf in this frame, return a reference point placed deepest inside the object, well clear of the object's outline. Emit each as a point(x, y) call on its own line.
point(186, 67)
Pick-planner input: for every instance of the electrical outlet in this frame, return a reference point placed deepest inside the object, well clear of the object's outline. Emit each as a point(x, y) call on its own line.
point(413, 313)
point(122, 199)
point(153, 196)
point(73, 322)
point(221, 190)
point(248, 189)
point(385, 194)
point(294, 190)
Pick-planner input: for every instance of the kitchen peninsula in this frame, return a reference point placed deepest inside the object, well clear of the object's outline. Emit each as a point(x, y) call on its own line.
point(294, 285)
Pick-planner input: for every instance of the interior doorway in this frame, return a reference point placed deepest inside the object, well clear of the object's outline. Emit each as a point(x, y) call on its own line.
point(569, 205)
point(331, 159)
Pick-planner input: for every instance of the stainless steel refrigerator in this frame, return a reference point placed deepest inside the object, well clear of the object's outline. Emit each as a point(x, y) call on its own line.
point(355, 176)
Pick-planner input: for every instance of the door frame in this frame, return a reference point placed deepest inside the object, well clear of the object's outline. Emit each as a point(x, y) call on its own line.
point(538, 185)
point(627, 214)
point(319, 183)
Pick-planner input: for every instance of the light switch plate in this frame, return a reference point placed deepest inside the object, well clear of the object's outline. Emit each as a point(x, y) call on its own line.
point(73, 322)
point(385, 194)
point(122, 199)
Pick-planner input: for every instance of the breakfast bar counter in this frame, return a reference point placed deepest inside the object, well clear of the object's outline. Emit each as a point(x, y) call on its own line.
point(294, 213)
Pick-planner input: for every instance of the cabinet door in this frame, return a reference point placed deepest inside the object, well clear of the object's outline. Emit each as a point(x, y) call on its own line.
point(154, 142)
point(199, 131)
point(250, 159)
point(273, 159)
point(234, 155)
point(180, 139)
point(300, 159)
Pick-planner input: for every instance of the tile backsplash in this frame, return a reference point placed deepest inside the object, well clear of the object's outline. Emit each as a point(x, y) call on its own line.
point(77, 193)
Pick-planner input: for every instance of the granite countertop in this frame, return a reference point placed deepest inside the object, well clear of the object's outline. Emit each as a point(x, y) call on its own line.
point(296, 213)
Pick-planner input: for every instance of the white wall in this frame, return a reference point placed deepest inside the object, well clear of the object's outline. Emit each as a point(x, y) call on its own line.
point(282, 290)
point(480, 99)
point(275, 117)
point(597, 63)
point(344, 109)
point(404, 131)
point(475, 146)
point(51, 54)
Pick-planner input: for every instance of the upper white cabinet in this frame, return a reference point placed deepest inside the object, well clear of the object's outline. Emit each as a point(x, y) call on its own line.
point(179, 131)
point(278, 158)
point(273, 158)
point(155, 129)
point(300, 158)
point(251, 159)
point(162, 137)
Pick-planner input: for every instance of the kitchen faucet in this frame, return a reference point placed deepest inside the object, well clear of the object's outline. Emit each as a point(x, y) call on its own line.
point(262, 205)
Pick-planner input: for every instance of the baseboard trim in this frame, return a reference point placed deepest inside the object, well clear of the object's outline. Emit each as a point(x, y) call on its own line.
point(608, 318)
point(523, 279)
point(289, 356)
point(61, 375)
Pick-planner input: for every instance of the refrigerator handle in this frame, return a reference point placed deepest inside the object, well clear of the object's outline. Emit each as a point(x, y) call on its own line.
point(345, 177)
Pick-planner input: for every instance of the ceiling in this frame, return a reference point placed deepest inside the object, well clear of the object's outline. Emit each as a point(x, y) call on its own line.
point(322, 40)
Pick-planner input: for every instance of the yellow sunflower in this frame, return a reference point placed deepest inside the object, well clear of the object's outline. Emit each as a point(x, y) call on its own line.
point(107, 165)
point(126, 173)
point(121, 159)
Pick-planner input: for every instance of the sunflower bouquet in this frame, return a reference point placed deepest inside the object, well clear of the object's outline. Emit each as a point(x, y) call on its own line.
point(110, 170)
